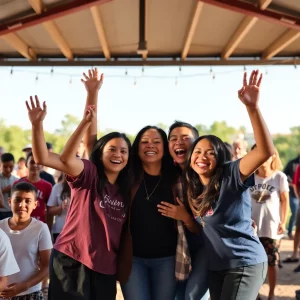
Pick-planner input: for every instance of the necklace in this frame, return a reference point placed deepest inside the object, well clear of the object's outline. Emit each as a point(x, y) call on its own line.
point(149, 195)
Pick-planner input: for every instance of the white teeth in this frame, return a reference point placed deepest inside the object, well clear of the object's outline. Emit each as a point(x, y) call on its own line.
point(115, 161)
point(150, 153)
point(201, 165)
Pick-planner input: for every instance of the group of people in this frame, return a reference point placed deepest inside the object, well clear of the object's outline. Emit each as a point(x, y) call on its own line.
point(172, 216)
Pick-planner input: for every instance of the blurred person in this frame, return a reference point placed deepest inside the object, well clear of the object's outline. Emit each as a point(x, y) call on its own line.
point(27, 149)
point(6, 182)
point(239, 149)
point(270, 198)
point(31, 243)
point(8, 264)
point(21, 170)
point(58, 205)
point(289, 171)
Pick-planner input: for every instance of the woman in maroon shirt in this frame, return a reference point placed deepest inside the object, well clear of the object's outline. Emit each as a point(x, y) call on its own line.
point(84, 260)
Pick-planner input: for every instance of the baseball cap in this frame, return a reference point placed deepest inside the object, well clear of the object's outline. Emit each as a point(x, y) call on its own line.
point(27, 147)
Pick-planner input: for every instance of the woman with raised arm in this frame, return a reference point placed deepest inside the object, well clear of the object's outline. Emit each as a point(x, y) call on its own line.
point(84, 260)
point(219, 198)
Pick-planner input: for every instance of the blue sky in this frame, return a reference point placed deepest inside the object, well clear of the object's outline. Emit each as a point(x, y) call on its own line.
point(126, 106)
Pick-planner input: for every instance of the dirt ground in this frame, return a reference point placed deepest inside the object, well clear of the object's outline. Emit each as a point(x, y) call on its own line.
point(288, 281)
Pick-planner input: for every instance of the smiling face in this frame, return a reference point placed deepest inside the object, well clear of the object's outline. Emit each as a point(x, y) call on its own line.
point(22, 204)
point(151, 148)
point(180, 141)
point(115, 155)
point(203, 160)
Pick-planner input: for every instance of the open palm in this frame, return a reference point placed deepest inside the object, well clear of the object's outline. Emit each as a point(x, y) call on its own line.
point(249, 93)
point(36, 113)
point(92, 81)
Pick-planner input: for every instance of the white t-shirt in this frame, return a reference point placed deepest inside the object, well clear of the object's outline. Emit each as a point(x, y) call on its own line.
point(26, 245)
point(8, 264)
point(266, 207)
point(55, 200)
point(4, 181)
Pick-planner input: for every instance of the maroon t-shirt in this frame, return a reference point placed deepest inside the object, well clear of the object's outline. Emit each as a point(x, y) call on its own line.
point(94, 222)
point(44, 189)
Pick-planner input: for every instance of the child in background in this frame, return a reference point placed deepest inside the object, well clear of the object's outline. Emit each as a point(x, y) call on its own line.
point(8, 264)
point(31, 243)
point(6, 182)
point(21, 170)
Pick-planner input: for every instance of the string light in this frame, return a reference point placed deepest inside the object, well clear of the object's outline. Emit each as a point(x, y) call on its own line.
point(143, 71)
point(52, 71)
point(176, 81)
point(12, 71)
point(134, 83)
point(70, 81)
point(126, 72)
point(245, 69)
point(211, 71)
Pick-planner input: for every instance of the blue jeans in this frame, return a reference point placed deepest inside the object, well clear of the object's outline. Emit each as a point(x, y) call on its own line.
point(294, 202)
point(196, 286)
point(151, 279)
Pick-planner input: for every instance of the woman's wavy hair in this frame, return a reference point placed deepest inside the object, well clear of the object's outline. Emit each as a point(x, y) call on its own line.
point(202, 197)
point(96, 158)
point(168, 167)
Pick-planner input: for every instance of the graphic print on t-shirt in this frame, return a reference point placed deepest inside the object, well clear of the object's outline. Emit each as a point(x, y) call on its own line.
point(114, 208)
point(262, 192)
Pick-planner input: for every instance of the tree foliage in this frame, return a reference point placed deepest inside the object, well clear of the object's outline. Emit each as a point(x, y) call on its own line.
point(14, 138)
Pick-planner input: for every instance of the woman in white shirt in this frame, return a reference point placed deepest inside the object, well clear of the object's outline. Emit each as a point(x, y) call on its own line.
point(270, 197)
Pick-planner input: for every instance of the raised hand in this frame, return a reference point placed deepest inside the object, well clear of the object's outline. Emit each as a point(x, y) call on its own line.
point(92, 81)
point(89, 113)
point(36, 113)
point(249, 93)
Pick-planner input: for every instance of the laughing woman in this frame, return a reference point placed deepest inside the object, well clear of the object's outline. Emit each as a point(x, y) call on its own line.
point(218, 197)
point(84, 260)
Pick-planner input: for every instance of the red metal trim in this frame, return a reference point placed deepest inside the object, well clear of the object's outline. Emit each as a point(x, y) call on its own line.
point(251, 10)
point(51, 14)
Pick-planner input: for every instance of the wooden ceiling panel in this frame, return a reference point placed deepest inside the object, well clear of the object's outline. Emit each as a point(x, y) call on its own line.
point(121, 25)
point(168, 23)
point(214, 29)
point(262, 35)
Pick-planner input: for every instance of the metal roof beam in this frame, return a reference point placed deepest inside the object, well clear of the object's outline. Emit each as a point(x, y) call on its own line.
point(53, 30)
point(253, 11)
point(49, 15)
point(143, 48)
point(100, 30)
point(243, 29)
point(192, 29)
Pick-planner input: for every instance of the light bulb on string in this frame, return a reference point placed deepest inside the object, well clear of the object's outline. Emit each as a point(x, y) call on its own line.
point(134, 83)
point(36, 78)
point(266, 72)
point(180, 69)
point(211, 71)
point(176, 81)
point(126, 72)
point(12, 71)
point(70, 81)
point(245, 69)
point(52, 71)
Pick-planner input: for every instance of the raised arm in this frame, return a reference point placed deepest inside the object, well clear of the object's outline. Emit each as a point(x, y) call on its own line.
point(249, 95)
point(92, 82)
point(67, 162)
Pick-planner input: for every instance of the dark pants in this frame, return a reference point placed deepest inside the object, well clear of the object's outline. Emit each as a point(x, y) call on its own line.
point(241, 283)
point(5, 214)
point(55, 236)
point(71, 280)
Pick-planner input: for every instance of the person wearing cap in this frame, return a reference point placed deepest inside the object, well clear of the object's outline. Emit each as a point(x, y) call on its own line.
point(27, 149)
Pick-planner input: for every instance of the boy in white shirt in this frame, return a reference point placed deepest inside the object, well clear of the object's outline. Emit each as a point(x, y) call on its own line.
point(8, 264)
point(31, 243)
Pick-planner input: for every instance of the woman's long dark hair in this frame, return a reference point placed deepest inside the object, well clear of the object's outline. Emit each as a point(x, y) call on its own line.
point(200, 197)
point(96, 158)
point(168, 167)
